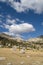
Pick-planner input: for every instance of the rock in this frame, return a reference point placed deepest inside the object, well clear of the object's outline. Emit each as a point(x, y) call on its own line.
point(28, 56)
point(2, 58)
point(22, 51)
point(22, 62)
point(9, 63)
point(14, 48)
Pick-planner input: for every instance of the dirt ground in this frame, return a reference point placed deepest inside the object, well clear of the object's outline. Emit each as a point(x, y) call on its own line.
point(16, 58)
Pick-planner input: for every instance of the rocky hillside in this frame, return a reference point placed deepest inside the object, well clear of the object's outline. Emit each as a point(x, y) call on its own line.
point(5, 40)
point(36, 40)
point(9, 41)
point(5, 36)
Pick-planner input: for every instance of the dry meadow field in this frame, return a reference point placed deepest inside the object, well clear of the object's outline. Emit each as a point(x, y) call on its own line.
point(7, 56)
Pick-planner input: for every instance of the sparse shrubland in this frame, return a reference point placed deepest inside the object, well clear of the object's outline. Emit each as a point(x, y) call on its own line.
point(7, 41)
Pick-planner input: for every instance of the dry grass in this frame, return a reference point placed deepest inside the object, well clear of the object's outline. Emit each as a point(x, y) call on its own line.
point(29, 58)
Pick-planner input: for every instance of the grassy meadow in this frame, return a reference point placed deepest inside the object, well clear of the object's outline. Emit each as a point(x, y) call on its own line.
point(16, 58)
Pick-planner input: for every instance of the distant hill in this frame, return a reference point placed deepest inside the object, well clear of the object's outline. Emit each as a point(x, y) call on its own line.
point(41, 36)
point(5, 40)
point(3, 35)
point(39, 39)
point(9, 41)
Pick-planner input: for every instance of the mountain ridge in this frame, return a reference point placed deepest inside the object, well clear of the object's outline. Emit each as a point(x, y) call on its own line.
point(5, 40)
point(10, 37)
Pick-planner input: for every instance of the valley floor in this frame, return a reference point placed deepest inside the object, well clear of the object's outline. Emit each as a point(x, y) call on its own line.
point(15, 58)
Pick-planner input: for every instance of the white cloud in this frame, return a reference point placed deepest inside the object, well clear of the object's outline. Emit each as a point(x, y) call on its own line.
point(6, 26)
point(20, 28)
point(18, 20)
point(9, 21)
point(36, 5)
point(3, 0)
point(13, 21)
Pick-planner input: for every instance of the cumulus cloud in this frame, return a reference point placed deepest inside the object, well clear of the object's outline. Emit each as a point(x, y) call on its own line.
point(20, 28)
point(36, 5)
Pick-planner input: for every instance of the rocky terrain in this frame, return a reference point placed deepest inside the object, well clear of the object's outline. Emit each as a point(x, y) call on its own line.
point(32, 43)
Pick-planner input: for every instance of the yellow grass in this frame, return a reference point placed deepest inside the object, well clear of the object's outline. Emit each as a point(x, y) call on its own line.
point(29, 58)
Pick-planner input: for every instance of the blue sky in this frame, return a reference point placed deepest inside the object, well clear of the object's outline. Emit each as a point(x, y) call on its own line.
point(20, 18)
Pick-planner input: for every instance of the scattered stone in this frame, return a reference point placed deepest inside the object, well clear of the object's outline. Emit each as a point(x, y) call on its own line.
point(14, 48)
point(0, 46)
point(36, 63)
point(22, 63)
point(9, 63)
point(28, 56)
point(22, 50)
point(2, 58)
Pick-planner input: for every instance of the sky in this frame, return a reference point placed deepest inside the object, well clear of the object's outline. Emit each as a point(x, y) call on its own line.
point(21, 18)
